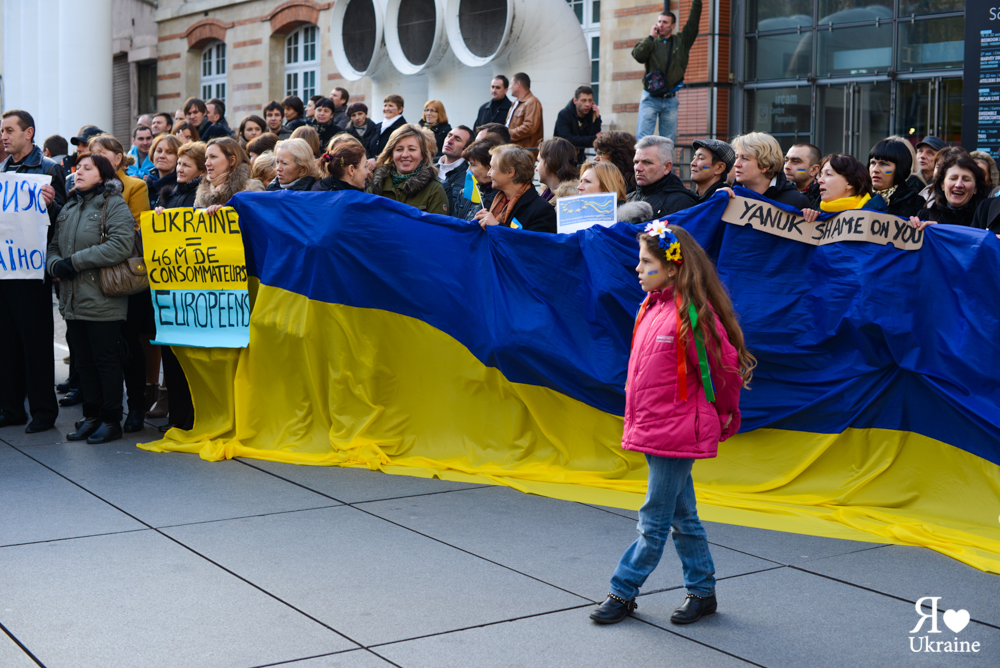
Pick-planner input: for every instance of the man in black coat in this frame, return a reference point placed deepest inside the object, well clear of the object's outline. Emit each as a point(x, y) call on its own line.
point(26, 360)
point(580, 121)
point(655, 181)
point(216, 114)
point(495, 111)
point(196, 113)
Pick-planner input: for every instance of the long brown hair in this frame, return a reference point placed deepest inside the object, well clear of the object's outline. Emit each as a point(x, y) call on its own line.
point(699, 284)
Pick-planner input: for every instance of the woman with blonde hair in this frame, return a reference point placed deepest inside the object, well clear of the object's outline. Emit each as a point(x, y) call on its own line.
point(263, 168)
point(516, 204)
point(601, 177)
point(405, 171)
point(227, 172)
point(294, 164)
point(141, 361)
point(436, 120)
point(310, 136)
point(760, 167)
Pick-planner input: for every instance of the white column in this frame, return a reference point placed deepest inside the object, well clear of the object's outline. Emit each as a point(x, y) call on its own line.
point(85, 77)
point(57, 63)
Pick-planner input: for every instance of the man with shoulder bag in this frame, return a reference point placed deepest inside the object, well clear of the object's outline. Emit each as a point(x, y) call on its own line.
point(665, 57)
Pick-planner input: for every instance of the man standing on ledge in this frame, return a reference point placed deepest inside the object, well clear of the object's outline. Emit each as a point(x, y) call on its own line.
point(496, 110)
point(525, 118)
point(665, 57)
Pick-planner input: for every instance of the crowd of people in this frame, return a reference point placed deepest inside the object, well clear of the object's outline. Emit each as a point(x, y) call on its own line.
point(194, 158)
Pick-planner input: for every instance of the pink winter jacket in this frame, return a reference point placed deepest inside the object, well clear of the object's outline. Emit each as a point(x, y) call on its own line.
point(657, 422)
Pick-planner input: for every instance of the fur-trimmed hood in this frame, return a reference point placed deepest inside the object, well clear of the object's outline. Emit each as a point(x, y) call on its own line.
point(238, 180)
point(408, 188)
point(635, 212)
point(110, 188)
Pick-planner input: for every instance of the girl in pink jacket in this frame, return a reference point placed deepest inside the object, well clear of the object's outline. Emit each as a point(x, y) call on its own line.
point(681, 399)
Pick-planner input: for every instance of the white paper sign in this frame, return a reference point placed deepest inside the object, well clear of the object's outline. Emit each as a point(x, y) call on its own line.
point(24, 226)
point(582, 211)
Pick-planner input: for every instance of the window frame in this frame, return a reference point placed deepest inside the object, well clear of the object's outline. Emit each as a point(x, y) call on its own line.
point(299, 72)
point(215, 83)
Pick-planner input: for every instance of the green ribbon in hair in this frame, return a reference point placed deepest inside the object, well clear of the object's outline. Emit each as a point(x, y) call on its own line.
point(699, 343)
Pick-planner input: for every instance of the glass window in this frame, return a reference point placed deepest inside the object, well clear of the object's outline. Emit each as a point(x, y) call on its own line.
point(779, 15)
point(832, 12)
point(779, 111)
point(779, 56)
point(930, 107)
point(577, 7)
point(936, 44)
point(302, 62)
point(859, 50)
point(213, 71)
point(595, 65)
point(924, 7)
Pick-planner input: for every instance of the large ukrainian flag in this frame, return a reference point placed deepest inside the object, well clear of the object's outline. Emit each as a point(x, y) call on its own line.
point(420, 344)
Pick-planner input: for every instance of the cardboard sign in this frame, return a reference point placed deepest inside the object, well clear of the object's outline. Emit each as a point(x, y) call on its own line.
point(582, 211)
point(855, 225)
point(197, 277)
point(24, 226)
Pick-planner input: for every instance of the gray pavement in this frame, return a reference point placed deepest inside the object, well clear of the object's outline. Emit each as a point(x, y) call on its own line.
point(113, 556)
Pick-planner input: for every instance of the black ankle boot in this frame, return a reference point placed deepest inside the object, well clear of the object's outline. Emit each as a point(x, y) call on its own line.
point(135, 421)
point(613, 610)
point(694, 608)
point(108, 431)
point(84, 428)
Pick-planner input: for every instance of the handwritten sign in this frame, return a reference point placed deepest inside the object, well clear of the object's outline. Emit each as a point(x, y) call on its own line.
point(24, 226)
point(197, 277)
point(582, 211)
point(855, 225)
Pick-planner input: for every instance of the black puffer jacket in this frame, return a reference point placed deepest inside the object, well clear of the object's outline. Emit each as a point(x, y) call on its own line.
point(330, 183)
point(903, 202)
point(948, 215)
point(326, 132)
point(580, 132)
point(179, 195)
point(467, 209)
point(155, 185)
point(303, 183)
point(366, 135)
point(666, 196)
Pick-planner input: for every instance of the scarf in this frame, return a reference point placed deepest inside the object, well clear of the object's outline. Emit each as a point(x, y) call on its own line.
point(845, 203)
point(502, 207)
point(399, 179)
point(887, 193)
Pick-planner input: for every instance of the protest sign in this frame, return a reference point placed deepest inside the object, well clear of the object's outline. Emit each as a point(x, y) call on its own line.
point(582, 211)
point(197, 277)
point(854, 225)
point(24, 226)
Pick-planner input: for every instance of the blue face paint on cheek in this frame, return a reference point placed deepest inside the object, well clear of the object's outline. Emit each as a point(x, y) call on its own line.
point(653, 273)
point(888, 171)
point(704, 168)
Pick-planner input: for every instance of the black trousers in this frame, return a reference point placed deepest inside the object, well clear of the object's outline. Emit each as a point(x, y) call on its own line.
point(98, 360)
point(27, 359)
point(181, 408)
point(138, 327)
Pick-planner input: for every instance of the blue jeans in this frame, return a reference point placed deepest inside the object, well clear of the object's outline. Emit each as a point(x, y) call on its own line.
point(670, 503)
point(653, 108)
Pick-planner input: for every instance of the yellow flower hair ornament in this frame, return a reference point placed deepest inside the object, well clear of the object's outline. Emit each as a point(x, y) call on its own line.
point(669, 242)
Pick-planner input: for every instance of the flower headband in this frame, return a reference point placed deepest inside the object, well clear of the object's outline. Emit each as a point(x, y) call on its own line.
point(669, 242)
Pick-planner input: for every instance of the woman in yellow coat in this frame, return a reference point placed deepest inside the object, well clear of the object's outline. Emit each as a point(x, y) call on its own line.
point(141, 362)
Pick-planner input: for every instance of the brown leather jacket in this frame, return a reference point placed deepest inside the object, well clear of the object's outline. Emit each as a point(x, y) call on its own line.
point(525, 123)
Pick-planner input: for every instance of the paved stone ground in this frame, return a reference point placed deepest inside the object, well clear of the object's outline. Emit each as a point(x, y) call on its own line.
point(113, 556)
